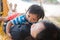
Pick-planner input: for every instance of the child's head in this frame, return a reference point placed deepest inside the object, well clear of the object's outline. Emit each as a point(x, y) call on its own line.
point(34, 13)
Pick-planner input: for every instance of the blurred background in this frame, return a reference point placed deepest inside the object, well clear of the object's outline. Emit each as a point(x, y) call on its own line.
point(51, 8)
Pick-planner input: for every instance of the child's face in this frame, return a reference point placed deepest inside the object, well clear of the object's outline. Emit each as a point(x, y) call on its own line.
point(31, 17)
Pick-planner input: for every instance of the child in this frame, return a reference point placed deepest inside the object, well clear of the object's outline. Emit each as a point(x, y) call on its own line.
point(34, 13)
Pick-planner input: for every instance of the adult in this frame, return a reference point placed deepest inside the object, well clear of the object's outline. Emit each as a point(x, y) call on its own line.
point(44, 30)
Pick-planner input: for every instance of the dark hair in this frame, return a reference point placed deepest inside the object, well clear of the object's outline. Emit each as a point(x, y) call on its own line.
point(51, 32)
point(36, 9)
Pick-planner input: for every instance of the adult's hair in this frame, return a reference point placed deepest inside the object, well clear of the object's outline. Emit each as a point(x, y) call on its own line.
point(51, 32)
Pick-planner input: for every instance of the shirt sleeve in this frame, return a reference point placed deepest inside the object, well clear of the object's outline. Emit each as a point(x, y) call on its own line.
point(12, 16)
point(18, 20)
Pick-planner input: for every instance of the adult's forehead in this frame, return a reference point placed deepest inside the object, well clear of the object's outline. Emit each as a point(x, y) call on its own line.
point(39, 25)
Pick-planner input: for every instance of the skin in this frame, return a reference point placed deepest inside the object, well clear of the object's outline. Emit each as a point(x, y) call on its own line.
point(29, 16)
point(36, 28)
point(3, 19)
point(32, 17)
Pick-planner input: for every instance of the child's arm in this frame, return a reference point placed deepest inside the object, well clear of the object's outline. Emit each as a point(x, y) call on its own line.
point(19, 19)
point(13, 22)
point(8, 29)
point(9, 24)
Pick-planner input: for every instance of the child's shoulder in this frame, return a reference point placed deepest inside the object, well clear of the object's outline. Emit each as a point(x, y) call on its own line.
point(22, 15)
point(12, 16)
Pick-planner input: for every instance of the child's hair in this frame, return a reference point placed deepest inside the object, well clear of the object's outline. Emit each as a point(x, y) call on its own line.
point(38, 10)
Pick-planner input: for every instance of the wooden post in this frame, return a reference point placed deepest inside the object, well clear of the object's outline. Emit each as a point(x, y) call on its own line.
point(5, 8)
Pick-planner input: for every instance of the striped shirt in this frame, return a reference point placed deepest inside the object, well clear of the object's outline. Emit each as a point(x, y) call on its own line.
point(19, 20)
